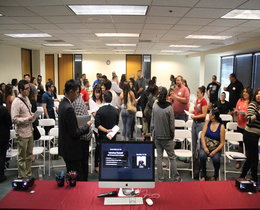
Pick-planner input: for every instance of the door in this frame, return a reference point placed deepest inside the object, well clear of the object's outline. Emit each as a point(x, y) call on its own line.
point(49, 67)
point(26, 62)
point(133, 64)
point(65, 71)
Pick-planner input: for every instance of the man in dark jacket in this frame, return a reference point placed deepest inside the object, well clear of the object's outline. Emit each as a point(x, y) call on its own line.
point(69, 132)
point(5, 125)
point(106, 117)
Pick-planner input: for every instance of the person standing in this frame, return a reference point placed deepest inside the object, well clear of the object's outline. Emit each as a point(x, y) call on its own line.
point(128, 98)
point(40, 90)
point(122, 81)
point(163, 128)
point(212, 90)
point(33, 92)
point(5, 125)
point(115, 86)
point(213, 129)
point(14, 83)
point(251, 137)
point(9, 98)
point(200, 112)
point(140, 83)
point(235, 88)
point(70, 147)
point(241, 113)
point(84, 92)
point(22, 118)
point(97, 81)
point(106, 117)
point(81, 110)
point(180, 97)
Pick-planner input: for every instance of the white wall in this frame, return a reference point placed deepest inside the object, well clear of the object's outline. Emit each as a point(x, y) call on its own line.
point(93, 64)
point(165, 65)
point(212, 66)
point(10, 63)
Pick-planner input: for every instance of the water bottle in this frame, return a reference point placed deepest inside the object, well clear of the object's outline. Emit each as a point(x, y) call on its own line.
point(40, 173)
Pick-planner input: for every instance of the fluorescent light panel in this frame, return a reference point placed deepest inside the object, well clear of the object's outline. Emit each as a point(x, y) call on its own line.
point(207, 37)
point(58, 45)
point(243, 14)
point(108, 9)
point(117, 34)
point(170, 51)
point(123, 50)
point(121, 45)
point(71, 50)
point(189, 46)
point(28, 35)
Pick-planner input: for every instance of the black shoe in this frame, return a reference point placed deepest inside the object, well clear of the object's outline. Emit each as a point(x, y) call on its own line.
point(3, 178)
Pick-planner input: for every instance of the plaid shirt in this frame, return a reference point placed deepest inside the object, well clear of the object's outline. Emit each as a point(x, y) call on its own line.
point(80, 108)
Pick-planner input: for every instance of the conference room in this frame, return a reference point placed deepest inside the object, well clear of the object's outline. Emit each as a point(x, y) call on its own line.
point(110, 41)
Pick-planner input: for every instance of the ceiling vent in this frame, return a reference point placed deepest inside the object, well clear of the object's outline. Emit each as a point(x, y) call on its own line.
point(54, 41)
point(145, 41)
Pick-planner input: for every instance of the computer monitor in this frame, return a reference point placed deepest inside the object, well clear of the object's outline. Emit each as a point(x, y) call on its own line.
point(126, 165)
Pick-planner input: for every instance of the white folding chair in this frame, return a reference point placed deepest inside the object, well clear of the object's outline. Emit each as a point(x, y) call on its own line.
point(188, 124)
point(45, 138)
point(54, 132)
point(40, 109)
point(11, 152)
point(46, 122)
point(92, 152)
point(232, 156)
point(231, 126)
point(164, 156)
point(184, 135)
point(226, 117)
point(180, 124)
point(54, 151)
point(138, 125)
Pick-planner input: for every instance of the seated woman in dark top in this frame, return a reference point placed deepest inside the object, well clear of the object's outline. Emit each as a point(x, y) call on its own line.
point(223, 105)
point(212, 141)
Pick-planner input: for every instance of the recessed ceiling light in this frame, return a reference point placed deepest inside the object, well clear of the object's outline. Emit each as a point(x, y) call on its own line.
point(243, 14)
point(170, 51)
point(207, 37)
point(121, 45)
point(179, 45)
point(123, 50)
point(117, 34)
point(108, 9)
point(75, 50)
point(28, 35)
point(58, 45)
point(1, 15)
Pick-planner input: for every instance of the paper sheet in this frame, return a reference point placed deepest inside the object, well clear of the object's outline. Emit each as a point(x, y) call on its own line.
point(114, 131)
point(188, 113)
point(36, 115)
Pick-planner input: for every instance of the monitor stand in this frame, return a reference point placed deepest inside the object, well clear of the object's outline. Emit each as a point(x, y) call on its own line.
point(126, 192)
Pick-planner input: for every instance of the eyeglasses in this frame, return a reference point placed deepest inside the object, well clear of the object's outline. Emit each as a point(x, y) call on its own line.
point(28, 88)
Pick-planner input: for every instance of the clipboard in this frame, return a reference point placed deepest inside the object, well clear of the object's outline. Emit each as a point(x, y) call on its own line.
point(83, 119)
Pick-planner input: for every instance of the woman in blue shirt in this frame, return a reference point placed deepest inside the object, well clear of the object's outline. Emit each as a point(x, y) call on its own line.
point(212, 130)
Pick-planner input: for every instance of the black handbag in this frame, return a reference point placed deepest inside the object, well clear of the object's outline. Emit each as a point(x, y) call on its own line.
point(36, 132)
point(211, 144)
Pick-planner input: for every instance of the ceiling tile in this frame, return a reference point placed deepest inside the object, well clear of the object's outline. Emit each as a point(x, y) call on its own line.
point(132, 2)
point(51, 10)
point(163, 20)
point(195, 21)
point(30, 20)
point(15, 26)
point(226, 22)
point(44, 26)
point(62, 19)
point(99, 25)
point(206, 13)
point(176, 3)
point(251, 4)
point(186, 27)
point(72, 26)
point(94, 19)
point(39, 2)
point(128, 19)
point(157, 26)
point(214, 28)
point(7, 20)
point(230, 4)
point(129, 26)
point(15, 11)
point(251, 23)
point(168, 11)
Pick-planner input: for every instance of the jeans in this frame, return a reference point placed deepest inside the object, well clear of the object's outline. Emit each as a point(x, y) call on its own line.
point(181, 117)
point(251, 144)
point(127, 119)
point(168, 146)
point(24, 158)
point(216, 163)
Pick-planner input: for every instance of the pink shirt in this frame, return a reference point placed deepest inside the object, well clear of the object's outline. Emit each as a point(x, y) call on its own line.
point(179, 107)
point(241, 119)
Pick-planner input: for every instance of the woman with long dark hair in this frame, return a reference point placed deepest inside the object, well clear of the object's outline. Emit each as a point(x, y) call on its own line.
point(128, 100)
point(212, 142)
point(241, 113)
point(251, 137)
point(9, 97)
point(14, 83)
point(122, 81)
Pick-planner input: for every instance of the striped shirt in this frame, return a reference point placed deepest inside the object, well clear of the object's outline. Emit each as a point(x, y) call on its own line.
point(253, 116)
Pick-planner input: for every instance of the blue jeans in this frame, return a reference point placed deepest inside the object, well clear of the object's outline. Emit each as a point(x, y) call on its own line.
point(216, 163)
point(127, 119)
point(181, 117)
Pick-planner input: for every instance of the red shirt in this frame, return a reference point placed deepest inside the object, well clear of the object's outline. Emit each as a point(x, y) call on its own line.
point(84, 94)
point(179, 107)
point(198, 108)
point(241, 119)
